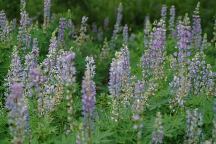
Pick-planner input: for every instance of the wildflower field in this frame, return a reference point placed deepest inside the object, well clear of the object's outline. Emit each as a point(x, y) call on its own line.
point(90, 83)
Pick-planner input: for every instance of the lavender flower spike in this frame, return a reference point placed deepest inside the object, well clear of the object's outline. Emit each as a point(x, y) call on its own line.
point(137, 108)
point(47, 15)
point(196, 28)
point(158, 134)
point(88, 97)
point(194, 127)
point(147, 32)
point(164, 13)
point(3, 20)
point(172, 21)
point(88, 89)
point(125, 35)
point(184, 40)
point(82, 37)
point(115, 80)
point(61, 30)
point(15, 73)
point(18, 113)
point(117, 27)
point(65, 68)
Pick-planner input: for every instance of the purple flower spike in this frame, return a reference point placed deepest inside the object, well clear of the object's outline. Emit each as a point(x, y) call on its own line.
point(18, 115)
point(184, 40)
point(196, 28)
point(47, 15)
point(65, 68)
point(3, 20)
point(61, 30)
point(88, 90)
point(172, 21)
point(164, 12)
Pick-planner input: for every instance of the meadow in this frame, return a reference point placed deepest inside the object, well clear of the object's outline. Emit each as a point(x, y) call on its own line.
point(63, 82)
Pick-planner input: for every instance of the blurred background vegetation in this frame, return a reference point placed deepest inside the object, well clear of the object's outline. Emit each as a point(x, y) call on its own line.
point(134, 10)
point(97, 10)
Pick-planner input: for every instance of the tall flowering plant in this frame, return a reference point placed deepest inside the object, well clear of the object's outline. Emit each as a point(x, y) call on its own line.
point(180, 85)
point(47, 13)
point(88, 98)
point(196, 28)
point(66, 74)
point(18, 116)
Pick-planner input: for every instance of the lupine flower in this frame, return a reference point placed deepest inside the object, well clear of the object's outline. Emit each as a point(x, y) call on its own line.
point(184, 40)
point(200, 75)
point(53, 86)
point(18, 116)
point(117, 26)
point(88, 96)
point(66, 74)
point(158, 133)
point(3, 20)
point(172, 21)
point(126, 79)
point(37, 79)
point(5, 27)
point(88, 89)
point(180, 87)
point(4, 33)
point(24, 20)
point(51, 96)
point(115, 83)
point(164, 13)
point(15, 72)
point(147, 32)
point(71, 27)
point(31, 62)
point(83, 30)
point(205, 43)
point(22, 4)
point(61, 30)
point(138, 101)
point(49, 64)
point(119, 82)
point(125, 35)
point(47, 15)
point(214, 32)
point(125, 56)
point(23, 36)
point(65, 68)
point(115, 77)
point(53, 45)
point(196, 28)
point(105, 50)
point(163, 19)
point(153, 58)
point(194, 127)
point(137, 108)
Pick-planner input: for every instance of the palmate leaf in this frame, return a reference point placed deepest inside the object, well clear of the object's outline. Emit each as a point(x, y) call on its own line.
point(102, 137)
point(43, 129)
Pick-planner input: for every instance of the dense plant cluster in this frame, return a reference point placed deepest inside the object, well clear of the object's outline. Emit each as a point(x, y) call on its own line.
point(68, 83)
